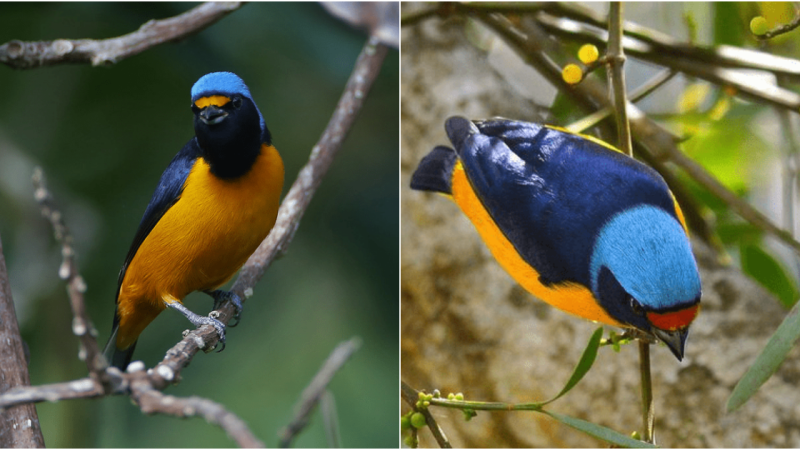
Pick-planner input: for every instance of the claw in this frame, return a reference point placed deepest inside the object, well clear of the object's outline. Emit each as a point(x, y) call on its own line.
point(220, 296)
point(198, 320)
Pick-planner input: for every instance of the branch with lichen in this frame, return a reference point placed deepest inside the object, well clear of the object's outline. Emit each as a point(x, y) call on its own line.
point(30, 55)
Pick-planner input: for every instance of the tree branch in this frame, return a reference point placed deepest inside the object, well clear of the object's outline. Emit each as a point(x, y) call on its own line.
point(616, 76)
point(19, 427)
point(82, 325)
point(152, 401)
point(312, 394)
point(695, 61)
point(30, 55)
point(781, 29)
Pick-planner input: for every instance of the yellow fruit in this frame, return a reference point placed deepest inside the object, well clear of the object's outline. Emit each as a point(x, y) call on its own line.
point(588, 54)
point(572, 74)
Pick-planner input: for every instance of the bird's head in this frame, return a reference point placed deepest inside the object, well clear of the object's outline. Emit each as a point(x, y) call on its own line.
point(226, 119)
point(644, 274)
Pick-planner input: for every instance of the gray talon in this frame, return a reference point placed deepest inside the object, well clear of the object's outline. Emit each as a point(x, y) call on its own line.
point(220, 296)
point(198, 320)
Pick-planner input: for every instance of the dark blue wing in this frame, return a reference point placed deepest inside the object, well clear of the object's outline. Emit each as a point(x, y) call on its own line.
point(550, 191)
point(167, 193)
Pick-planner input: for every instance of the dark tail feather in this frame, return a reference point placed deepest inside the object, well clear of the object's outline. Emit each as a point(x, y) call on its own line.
point(435, 171)
point(119, 358)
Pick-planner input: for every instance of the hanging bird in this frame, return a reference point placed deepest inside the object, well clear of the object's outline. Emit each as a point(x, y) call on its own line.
point(215, 203)
point(575, 221)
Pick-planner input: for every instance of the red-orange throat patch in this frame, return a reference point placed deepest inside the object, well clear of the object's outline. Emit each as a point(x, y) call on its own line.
point(674, 320)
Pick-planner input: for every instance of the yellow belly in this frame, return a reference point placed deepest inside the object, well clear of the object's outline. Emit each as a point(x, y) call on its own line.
point(201, 241)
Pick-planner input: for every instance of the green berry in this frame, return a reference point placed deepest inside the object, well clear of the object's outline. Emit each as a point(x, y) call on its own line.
point(451, 396)
point(469, 414)
point(459, 397)
point(417, 420)
point(758, 25)
point(405, 423)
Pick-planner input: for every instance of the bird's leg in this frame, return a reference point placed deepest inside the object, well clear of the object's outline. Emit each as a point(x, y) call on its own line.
point(198, 320)
point(220, 296)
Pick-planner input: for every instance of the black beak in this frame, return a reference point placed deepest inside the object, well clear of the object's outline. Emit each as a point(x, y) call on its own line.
point(211, 115)
point(675, 340)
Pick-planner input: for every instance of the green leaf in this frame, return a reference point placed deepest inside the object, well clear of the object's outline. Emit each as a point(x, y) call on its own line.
point(585, 363)
point(765, 269)
point(769, 360)
point(600, 432)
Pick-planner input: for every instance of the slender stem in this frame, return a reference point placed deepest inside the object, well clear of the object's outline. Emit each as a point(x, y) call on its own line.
point(648, 410)
point(641, 92)
point(616, 75)
point(410, 395)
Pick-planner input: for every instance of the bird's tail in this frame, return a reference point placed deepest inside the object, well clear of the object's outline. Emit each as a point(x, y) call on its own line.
point(118, 358)
point(435, 171)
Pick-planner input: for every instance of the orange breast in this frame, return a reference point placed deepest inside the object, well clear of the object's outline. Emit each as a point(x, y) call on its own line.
point(201, 241)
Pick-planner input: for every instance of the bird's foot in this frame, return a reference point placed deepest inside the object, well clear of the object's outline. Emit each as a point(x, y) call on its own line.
point(198, 321)
point(220, 296)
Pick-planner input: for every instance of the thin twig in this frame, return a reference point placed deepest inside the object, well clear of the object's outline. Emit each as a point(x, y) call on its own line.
point(699, 63)
point(30, 55)
point(427, 11)
point(641, 92)
point(315, 389)
point(411, 395)
point(616, 75)
point(82, 325)
point(639, 38)
point(151, 401)
point(782, 28)
point(648, 407)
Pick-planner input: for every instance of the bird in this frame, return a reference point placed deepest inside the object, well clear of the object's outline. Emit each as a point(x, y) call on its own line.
point(574, 221)
point(216, 201)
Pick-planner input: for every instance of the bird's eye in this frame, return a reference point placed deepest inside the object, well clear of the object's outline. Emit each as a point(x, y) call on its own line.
point(195, 109)
point(237, 102)
point(636, 307)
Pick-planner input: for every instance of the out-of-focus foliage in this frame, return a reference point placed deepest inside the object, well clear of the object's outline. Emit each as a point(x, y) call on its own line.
point(103, 137)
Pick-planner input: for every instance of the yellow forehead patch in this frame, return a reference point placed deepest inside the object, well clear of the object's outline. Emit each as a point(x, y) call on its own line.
point(216, 100)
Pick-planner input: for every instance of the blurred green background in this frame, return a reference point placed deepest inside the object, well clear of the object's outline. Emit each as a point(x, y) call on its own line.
point(103, 137)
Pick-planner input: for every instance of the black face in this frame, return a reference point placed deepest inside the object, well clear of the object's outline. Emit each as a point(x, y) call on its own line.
point(229, 136)
point(626, 309)
point(618, 303)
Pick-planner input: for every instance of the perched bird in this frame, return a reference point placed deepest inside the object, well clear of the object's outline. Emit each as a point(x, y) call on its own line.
point(575, 221)
point(215, 203)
